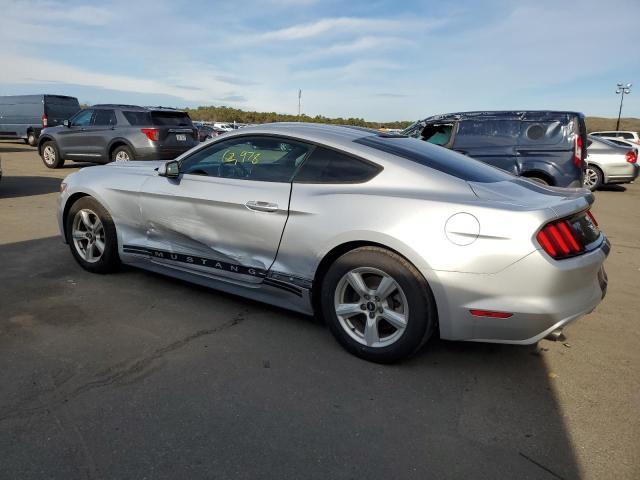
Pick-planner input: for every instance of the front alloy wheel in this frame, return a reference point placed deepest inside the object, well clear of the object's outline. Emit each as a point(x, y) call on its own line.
point(91, 235)
point(51, 156)
point(88, 235)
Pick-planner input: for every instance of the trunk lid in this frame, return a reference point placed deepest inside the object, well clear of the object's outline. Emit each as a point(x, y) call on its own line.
point(530, 195)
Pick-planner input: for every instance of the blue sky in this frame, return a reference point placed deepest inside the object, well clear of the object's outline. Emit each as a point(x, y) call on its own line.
point(381, 60)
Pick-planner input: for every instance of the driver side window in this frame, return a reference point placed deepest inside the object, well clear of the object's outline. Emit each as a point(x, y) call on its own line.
point(267, 159)
point(82, 119)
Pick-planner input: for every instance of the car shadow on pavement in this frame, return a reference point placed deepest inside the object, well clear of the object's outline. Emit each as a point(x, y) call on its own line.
point(17, 186)
point(11, 149)
point(613, 188)
point(203, 381)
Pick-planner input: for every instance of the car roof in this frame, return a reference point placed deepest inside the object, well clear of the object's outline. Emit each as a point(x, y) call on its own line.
point(135, 108)
point(615, 131)
point(343, 135)
point(505, 115)
point(604, 141)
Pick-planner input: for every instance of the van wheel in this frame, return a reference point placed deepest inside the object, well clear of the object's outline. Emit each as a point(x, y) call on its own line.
point(122, 154)
point(592, 178)
point(31, 139)
point(538, 179)
point(377, 305)
point(51, 155)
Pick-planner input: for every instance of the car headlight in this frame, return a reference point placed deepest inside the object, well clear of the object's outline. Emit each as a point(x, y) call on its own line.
point(63, 187)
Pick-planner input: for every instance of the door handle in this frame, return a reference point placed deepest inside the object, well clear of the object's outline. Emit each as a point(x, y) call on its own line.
point(259, 206)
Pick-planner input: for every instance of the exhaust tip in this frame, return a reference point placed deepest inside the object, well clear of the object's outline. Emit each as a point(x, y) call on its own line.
point(556, 336)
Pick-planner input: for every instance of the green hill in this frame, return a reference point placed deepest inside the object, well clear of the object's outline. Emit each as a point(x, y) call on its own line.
point(228, 114)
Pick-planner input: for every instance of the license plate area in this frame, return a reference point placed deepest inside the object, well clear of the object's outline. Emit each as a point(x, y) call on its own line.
point(181, 137)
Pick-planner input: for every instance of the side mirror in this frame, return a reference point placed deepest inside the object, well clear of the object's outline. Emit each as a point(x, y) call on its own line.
point(169, 169)
point(66, 123)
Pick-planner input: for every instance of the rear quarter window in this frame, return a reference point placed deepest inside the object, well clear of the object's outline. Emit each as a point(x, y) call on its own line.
point(137, 119)
point(171, 119)
point(437, 158)
point(329, 166)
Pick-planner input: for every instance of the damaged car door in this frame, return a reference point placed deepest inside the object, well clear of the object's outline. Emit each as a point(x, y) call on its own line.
point(224, 214)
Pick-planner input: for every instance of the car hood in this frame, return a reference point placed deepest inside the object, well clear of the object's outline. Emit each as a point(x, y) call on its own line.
point(530, 195)
point(52, 129)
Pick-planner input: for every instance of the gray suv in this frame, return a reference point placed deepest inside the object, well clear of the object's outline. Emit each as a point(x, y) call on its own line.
point(104, 133)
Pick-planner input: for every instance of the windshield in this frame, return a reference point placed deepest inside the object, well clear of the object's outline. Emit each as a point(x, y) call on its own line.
point(438, 158)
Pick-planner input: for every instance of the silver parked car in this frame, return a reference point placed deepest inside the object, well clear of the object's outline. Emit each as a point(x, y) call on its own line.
point(608, 163)
point(388, 238)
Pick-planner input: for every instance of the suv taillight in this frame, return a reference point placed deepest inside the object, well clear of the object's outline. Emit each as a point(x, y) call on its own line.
point(44, 120)
point(631, 156)
point(559, 239)
point(151, 133)
point(577, 152)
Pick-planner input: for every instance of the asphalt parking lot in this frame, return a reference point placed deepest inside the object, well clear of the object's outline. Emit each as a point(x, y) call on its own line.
point(134, 375)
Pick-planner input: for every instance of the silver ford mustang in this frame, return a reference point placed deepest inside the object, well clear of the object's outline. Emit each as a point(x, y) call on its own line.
point(386, 237)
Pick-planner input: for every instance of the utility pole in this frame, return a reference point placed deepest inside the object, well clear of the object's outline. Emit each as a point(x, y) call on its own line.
point(622, 91)
point(299, 103)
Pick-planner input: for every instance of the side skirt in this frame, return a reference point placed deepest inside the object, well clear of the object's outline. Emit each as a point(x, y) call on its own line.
point(275, 288)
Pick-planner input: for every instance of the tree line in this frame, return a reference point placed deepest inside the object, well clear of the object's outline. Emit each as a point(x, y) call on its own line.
point(229, 114)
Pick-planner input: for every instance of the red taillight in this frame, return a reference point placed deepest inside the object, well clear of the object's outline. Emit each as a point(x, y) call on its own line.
point(593, 219)
point(577, 152)
point(559, 239)
point(151, 133)
point(44, 120)
point(631, 156)
point(490, 314)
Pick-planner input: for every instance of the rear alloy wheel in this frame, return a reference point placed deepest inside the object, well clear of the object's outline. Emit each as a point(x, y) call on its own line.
point(51, 155)
point(592, 178)
point(92, 237)
point(377, 305)
point(122, 154)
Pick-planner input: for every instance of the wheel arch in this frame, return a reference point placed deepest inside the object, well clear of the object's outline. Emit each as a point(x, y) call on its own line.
point(338, 250)
point(546, 176)
point(73, 198)
point(598, 167)
point(67, 206)
point(43, 139)
point(119, 142)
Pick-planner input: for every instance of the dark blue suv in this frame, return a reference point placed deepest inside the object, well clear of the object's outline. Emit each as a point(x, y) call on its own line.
point(546, 146)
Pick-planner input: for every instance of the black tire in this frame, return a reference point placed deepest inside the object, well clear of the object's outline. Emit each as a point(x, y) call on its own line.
point(422, 317)
point(538, 179)
point(51, 158)
point(593, 178)
point(109, 261)
point(125, 150)
point(31, 140)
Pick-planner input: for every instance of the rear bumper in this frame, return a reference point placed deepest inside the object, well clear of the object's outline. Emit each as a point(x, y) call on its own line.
point(162, 153)
point(630, 173)
point(541, 293)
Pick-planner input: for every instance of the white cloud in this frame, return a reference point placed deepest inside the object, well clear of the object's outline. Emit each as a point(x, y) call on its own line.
point(53, 11)
point(353, 26)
